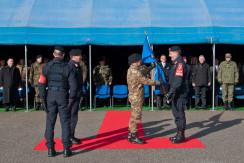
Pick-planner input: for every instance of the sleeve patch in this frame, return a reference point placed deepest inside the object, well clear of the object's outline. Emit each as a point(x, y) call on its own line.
point(179, 70)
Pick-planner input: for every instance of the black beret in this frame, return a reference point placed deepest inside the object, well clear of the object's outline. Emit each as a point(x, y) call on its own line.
point(175, 48)
point(75, 52)
point(134, 58)
point(60, 48)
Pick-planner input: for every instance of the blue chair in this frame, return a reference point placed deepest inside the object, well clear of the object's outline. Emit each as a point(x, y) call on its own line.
point(147, 93)
point(102, 92)
point(239, 92)
point(120, 92)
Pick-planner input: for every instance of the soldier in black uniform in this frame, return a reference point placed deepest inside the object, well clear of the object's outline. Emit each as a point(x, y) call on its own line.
point(59, 79)
point(177, 94)
point(74, 63)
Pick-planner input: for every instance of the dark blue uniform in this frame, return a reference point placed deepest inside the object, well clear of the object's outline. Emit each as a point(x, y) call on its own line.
point(61, 87)
point(76, 103)
point(178, 91)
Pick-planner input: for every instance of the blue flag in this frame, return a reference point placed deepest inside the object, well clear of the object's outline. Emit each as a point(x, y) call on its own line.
point(148, 57)
point(147, 53)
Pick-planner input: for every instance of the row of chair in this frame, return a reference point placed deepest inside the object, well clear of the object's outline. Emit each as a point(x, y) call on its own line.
point(118, 92)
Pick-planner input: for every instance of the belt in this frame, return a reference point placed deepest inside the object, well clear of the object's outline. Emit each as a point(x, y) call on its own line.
point(57, 89)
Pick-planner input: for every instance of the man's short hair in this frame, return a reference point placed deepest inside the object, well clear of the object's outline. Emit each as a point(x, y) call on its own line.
point(60, 48)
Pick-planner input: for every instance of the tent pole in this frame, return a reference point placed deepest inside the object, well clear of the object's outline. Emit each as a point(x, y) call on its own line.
point(153, 87)
point(26, 81)
point(213, 99)
point(90, 78)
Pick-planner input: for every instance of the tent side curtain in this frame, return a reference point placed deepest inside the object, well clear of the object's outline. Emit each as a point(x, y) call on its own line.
point(111, 22)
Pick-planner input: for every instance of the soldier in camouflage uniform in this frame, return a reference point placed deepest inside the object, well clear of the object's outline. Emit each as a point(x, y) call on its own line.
point(102, 74)
point(22, 69)
point(228, 77)
point(135, 81)
point(35, 72)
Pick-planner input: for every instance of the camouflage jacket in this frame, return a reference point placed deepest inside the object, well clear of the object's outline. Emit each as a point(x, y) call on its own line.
point(136, 81)
point(35, 72)
point(102, 75)
point(228, 72)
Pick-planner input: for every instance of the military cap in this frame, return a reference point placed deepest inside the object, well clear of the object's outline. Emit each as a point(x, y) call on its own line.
point(134, 58)
point(75, 52)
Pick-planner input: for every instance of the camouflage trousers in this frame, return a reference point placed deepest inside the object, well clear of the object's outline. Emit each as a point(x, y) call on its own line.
point(227, 92)
point(37, 97)
point(136, 114)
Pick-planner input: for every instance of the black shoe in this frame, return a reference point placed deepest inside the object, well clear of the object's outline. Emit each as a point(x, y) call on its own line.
point(67, 152)
point(132, 138)
point(51, 152)
point(179, 138)
point(75, 140)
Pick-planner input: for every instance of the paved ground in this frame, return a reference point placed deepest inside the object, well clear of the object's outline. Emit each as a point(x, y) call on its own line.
point(221, 132)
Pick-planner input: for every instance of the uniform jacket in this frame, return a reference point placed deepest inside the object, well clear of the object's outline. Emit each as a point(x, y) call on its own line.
point(78, 76)
point(228, 72)
point(102, 75)
point(177, 77)
point(136, 81)
point(35, 71)
point(60, 75)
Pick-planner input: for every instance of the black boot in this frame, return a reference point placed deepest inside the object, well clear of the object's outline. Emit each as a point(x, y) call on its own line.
point(75, 140)
point(51, 152)
point(132, 138)
point(226, 107)
point(67, 152)
point(179, 138)
point(177, 134)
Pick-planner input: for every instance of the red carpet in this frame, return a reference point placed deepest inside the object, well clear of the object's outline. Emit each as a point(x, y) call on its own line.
point(113, 135)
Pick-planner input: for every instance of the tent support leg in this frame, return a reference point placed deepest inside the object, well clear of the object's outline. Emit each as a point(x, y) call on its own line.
point(213, 84)
point(26, 81)
point(90, 78)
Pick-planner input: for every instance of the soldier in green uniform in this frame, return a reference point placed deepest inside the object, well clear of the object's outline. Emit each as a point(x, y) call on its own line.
point(102, 74)
point(228, 77)
point(136, 81)
point(35, 72)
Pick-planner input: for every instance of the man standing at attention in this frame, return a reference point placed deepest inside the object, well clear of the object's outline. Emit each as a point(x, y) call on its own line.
point(228, 77)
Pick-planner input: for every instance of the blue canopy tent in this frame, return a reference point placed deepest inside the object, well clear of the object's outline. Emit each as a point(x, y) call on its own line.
point(112, 22)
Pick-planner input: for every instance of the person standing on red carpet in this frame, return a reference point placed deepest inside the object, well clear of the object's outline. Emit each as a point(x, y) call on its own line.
point(136, 81)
